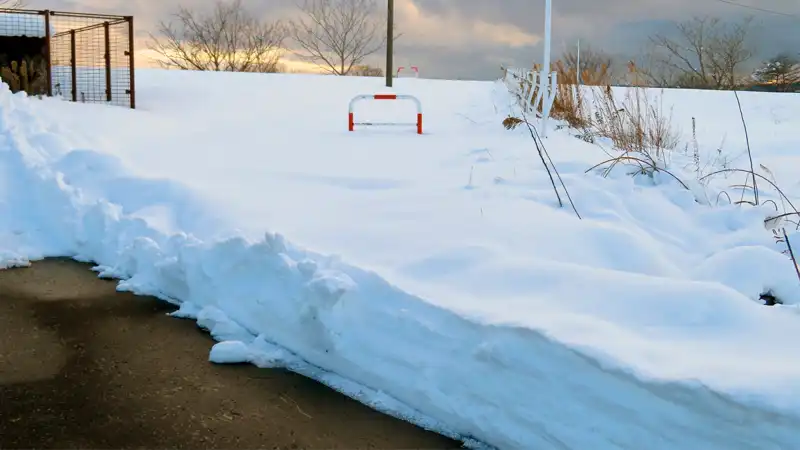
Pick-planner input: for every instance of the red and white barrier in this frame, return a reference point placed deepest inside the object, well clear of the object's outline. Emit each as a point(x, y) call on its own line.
point(414, 68)
point(351, 116)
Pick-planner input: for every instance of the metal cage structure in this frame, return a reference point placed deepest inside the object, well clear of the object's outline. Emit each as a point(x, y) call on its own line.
point(80, 57)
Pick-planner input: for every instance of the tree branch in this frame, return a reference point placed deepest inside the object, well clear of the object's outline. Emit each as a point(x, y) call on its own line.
point(337, 35)
point(229, 39)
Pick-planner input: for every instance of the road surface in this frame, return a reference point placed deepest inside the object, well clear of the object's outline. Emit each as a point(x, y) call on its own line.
point(82, 365)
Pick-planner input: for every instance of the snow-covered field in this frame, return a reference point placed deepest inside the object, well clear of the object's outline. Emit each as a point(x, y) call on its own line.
point(434, 277)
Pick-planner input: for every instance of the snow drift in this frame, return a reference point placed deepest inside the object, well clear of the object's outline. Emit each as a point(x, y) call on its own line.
point(448, 289)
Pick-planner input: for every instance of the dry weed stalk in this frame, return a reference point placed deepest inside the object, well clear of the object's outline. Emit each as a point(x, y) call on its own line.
point(638, 126)
point(635, 123)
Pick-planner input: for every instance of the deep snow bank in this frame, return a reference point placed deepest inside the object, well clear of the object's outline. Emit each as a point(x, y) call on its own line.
point(508, 386)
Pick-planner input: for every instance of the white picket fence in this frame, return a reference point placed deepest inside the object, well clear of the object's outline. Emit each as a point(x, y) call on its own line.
point(541, 84)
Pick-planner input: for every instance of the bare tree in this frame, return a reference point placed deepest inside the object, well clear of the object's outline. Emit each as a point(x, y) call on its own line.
point(229, 39)
point(13, 4)
point(596, 65)
point(646, 70)
point(337, 35)
point(366, 71)
point(706, 53)
point(782, 71)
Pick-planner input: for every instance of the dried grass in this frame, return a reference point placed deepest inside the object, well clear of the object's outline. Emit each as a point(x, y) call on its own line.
point(634, 123)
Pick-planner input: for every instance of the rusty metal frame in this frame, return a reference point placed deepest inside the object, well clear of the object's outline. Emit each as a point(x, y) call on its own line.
point(62, 14)
point(73, 62)
point(91, 27)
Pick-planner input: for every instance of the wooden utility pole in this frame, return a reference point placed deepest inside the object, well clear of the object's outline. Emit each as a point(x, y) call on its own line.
point(389, 43)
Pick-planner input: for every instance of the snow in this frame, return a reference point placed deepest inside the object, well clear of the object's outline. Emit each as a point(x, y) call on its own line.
point(433, 277)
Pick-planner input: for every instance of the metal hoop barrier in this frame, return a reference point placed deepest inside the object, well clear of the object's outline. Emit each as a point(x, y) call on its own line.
point(414, 68)
point(351, 116)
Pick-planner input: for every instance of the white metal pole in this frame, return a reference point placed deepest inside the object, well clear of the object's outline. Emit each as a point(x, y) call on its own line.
point(579, 63)
point(548, 12)
point(545, 78)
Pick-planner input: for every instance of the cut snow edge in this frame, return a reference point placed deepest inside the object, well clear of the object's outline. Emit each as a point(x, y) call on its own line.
point(346, 327)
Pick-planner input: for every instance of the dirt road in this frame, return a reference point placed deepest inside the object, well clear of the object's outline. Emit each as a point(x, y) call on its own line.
point(83, 366)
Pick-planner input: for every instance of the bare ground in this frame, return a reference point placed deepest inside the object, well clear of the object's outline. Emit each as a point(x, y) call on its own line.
point(84, 366)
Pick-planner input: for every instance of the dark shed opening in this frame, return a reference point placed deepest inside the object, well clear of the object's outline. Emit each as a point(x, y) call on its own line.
point(23, 53)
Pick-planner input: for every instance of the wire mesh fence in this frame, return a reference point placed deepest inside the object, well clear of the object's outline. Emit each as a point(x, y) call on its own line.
point(79, 57)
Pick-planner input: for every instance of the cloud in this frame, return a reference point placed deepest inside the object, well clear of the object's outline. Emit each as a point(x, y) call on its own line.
point(453, 30)
point(606, 22)
point(456, 38)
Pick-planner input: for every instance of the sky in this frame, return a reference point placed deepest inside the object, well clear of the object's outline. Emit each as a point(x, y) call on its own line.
point(471, 39)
